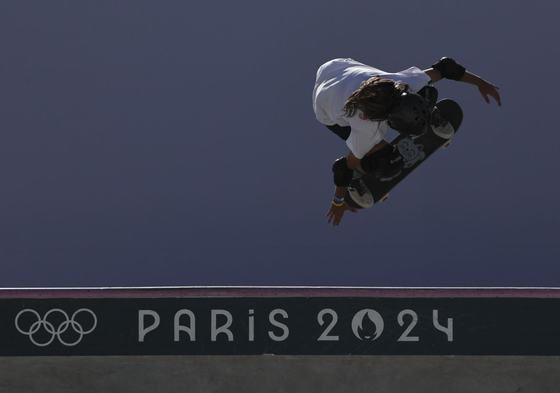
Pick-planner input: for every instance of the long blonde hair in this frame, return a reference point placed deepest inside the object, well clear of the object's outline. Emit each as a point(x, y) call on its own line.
point(375, 98)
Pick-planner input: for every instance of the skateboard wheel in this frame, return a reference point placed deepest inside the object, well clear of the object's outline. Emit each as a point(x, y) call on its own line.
point(446, 144)
point(384, 199)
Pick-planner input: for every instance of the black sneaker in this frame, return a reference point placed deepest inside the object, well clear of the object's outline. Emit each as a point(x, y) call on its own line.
point(360, 193)
point(440, 126)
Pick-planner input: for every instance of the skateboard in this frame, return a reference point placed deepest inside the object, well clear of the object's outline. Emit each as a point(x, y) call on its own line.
point(446, 120)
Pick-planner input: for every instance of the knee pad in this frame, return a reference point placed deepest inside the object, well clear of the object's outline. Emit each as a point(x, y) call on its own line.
point(342, 174)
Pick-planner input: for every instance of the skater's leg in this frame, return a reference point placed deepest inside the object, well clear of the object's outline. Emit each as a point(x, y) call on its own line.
point(379, 146)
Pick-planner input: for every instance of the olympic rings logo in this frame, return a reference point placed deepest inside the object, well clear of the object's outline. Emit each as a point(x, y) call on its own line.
point(49, 327)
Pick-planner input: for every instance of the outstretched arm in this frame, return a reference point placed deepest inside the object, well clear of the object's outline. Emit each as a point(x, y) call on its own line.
point(433, 74)
point(449, 69)
point(484, 87)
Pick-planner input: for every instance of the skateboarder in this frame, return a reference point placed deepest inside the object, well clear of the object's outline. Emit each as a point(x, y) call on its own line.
point(357, 102)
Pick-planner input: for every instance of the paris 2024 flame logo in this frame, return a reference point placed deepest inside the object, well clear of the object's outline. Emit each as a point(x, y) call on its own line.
point(368, 325)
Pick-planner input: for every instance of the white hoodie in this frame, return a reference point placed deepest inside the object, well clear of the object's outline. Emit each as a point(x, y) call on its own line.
point(337, 80)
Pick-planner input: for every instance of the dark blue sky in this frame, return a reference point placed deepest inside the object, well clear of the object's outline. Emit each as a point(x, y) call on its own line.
point(174, 143)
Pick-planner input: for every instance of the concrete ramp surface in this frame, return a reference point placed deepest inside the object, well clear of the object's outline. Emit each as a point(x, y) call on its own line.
point(280, 340)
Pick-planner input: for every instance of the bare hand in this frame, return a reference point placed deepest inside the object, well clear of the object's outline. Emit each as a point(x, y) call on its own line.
point(336, 213)
point(487, 88)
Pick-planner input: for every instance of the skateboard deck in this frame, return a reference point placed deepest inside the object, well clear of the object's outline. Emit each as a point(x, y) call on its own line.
point(446, 120)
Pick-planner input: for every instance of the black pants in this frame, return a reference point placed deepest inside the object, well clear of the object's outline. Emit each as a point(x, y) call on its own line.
point(342, 132)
